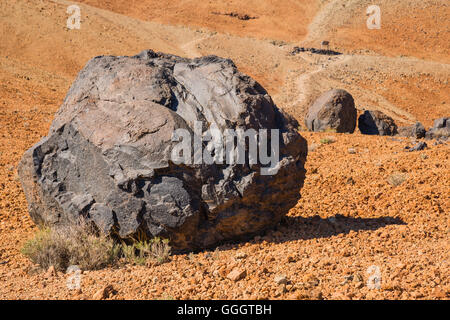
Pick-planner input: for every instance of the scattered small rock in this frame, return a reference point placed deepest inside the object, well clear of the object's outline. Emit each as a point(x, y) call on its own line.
point(350, 181)
point(104, 293)
point(347, 279)
point(439, 293)
point(264, 270)
point(237, 274)
point(419, 147)
point(312, 147)
point(290, 259)
point(241, 256)
point(317, 294)
point(359, 285)
point(440, 129)
point(280, 279)
point(311, 280)
point(51, 272)
point(357, 278)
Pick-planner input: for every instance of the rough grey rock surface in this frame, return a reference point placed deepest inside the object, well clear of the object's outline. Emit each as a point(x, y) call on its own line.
point(418, 147)
point(374, 122)
point(416, 130)
point(334, 110)
point(440, 129)
point(107, 155)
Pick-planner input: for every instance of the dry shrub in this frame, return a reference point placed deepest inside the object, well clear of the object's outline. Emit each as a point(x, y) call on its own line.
point(328, 140)
point(81, 245)
point(160, 250)
point(142, 252)
point(77, 244)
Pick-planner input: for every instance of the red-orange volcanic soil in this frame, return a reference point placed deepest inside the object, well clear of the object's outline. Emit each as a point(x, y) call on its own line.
point(349, 218)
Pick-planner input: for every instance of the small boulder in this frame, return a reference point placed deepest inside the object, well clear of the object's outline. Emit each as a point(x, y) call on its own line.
point(440, 129)
point(441, 123)
point(374, 122)
point(241, 256)
point(334, 110)
point(417, 131)
point(418, 147)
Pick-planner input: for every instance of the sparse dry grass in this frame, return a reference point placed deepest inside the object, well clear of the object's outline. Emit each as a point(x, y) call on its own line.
point(147, 252)
point(328, 140)
point(81, 245)
point(76, 244)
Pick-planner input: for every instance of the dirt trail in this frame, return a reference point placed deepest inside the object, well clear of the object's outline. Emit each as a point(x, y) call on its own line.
point(304, 82)
point(417, 28)
point(281, 20)
point(191, 48)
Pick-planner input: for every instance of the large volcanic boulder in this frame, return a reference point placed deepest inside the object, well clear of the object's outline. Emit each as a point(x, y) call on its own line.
point(108, 155)
point(440, 129)
point(376, 123)
point(334, 110)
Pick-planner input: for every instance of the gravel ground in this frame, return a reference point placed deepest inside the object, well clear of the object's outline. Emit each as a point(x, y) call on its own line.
point(350, 228)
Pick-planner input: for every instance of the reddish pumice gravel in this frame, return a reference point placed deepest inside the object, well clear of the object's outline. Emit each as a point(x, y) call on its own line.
point(349, 219)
